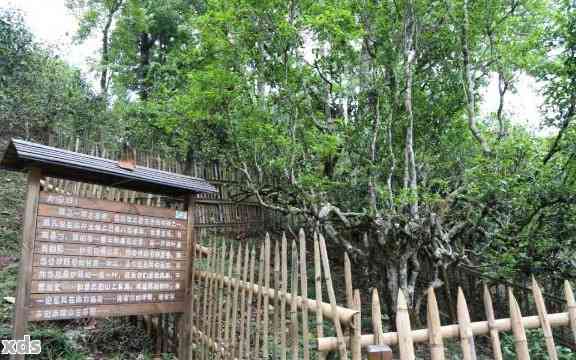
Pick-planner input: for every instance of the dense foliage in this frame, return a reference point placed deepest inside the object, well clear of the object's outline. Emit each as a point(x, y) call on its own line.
point(359, 119)
point(39, 93)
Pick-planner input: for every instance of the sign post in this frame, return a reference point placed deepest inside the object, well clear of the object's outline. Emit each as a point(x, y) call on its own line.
point(20, 320)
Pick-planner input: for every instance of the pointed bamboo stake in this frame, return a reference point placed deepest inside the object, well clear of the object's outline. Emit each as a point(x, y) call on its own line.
point(466, 335)
point(215, 334)
point(520, 341)
point(332, 296)
point(221, 294)
point(213, 265)
point(214, 311)
point(204, 302)
point(348, 280)
point(434, 326)
point(405, 341)
point(192, 306)
point(294, 306)
point(494, 337)
point(569, 294)
point(277, 292)
point(377, 318)
point(304, 292)
point(318, 288)
point(228, 306)
point(213, 269)
point(259, 299)
point(234, 336)
point(266, 296)
point(544, 322)
point(243, 302)
point(355, 343)
point(284, 258)
point(250, 297)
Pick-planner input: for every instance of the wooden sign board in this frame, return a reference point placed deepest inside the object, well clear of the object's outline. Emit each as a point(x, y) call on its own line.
point(97, 258)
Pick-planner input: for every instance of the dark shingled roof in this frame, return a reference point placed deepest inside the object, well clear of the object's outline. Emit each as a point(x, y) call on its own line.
point(21, 155)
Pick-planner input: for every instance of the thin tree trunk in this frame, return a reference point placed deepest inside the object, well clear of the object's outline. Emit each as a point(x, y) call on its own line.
point(106, 46)
point(410, 172)
point(468, 82)
point(503, 85)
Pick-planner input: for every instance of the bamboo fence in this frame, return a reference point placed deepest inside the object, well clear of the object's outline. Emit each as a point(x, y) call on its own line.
point(299, 322)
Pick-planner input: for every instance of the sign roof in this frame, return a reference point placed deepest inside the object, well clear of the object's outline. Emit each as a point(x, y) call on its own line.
point(54, 162)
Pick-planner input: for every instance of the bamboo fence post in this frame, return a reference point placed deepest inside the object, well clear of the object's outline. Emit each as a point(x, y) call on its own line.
point(204, 311)
point(304, 292)
point(257, 336)
point(206, 303)
point(355, 343)
point(434, 326)
point(544, 322)
point(377, 318)
point(405, 341)
point(243, 301)
point(332, 296)
point(466, 334)
point(221, 291)
point(293, 304)
point(212, 293)
point(266, 296)
point(284, 258)
point(197, 348)
point(250, 297)
point(192, 304)
point(569, 294)
point(217, 302)
point(348, 281)
point(228, 305)
point(520, 341)
point(234, 338)
point(277, 285)
point(76, 187)
point(494, 337)
point(208, 314)
point(318, 289)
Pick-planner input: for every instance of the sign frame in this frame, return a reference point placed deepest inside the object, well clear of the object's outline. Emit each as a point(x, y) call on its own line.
point(23, 306)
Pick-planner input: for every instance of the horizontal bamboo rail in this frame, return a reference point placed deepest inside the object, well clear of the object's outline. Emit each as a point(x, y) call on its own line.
point(327, 344)
point(345, 315)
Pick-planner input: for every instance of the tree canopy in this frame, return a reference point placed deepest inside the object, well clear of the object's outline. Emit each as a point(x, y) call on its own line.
point(359, 119)
point(39, 92)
